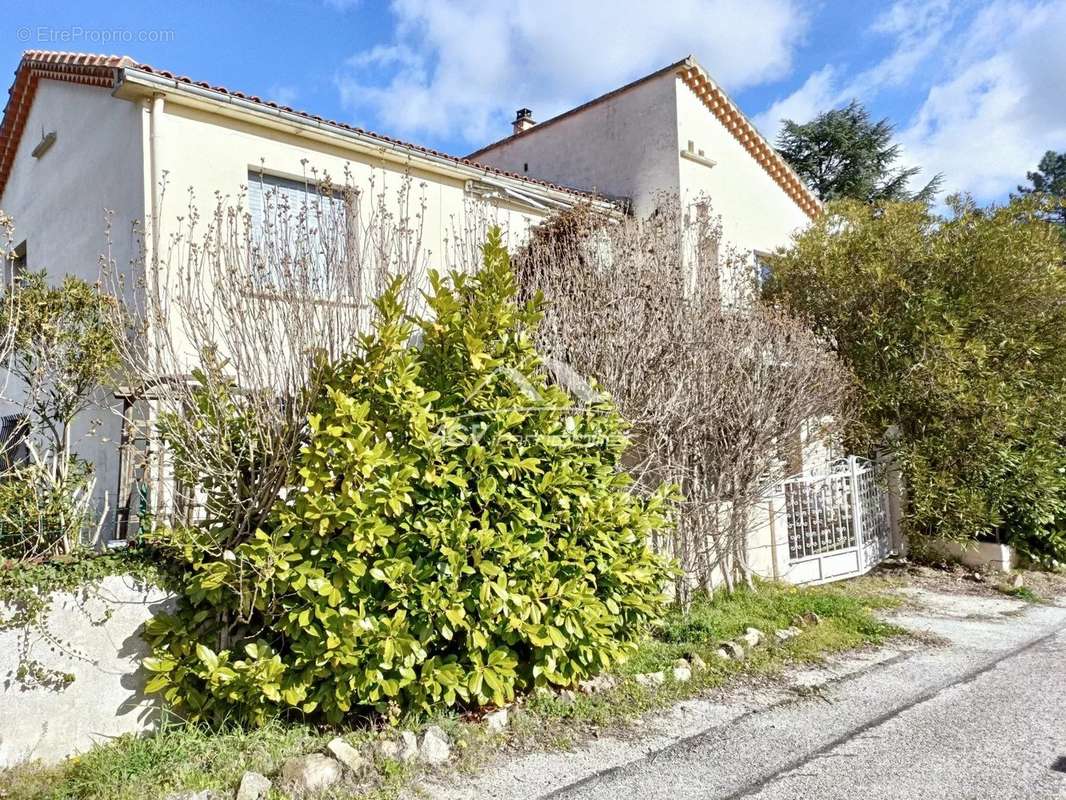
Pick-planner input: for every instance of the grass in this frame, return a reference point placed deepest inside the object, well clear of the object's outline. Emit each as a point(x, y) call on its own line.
point(1020, 592)
point(183, 757)
point(848, 622)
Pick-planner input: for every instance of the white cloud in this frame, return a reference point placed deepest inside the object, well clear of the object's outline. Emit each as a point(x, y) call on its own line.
point(283, 94)
point(917, 29)
point(461, 67)
point(991, 83)
point(1000, 106)
point(819, 92)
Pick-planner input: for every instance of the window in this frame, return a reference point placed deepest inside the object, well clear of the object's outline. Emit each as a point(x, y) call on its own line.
point(17, 264)
point(298, 228)
point(762, 267)
point(707, 258)
point(14, 428)
point(134, 454)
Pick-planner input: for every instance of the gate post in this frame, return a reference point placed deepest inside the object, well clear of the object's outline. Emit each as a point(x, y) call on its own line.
point(856, 510)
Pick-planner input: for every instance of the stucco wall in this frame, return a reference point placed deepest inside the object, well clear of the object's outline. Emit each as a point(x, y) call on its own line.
point(59, 204)
point(630, 146)
point(624, 146)
point(101, 160)
point(756, 213)
point(207, 153)
point(95, 635)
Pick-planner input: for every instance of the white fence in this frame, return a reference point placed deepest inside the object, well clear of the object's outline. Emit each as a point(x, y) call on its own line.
point(840, 523)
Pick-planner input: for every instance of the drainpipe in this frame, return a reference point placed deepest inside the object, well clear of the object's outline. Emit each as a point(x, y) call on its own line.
point(155, 133)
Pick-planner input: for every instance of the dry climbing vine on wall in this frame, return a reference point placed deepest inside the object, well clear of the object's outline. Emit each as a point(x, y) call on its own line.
point(27, 591)
point(666, 316)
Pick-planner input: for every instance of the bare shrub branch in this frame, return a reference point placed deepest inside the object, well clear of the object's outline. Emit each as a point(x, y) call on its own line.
point(230, 332)
point(714, 383)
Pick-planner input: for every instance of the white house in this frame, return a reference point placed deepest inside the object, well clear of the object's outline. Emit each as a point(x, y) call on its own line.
point(87, 134)
point(84, 134)
point(672, 131)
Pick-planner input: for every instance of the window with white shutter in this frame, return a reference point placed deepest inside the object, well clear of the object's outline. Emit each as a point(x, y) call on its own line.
point(299, 229)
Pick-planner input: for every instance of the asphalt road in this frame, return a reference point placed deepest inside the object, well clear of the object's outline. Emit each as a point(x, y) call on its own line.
point(980, 717)
point(970, 721)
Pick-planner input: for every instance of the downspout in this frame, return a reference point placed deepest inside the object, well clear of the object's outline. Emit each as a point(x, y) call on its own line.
point(155, 133)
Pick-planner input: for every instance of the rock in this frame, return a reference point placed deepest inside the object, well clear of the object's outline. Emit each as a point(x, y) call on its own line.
point(434, 748)
point(408, 747)
point(1017, 582)
point(755, 634)
point(388, 750)
point(203, 794)
point(351, 758)
point(750, 640)
point(721, 652)
point(806, 620)
point(698, 663)
point(785, 634)
point(733, 651)
point(253, 787)
point(601, 683)
point(566, 697)
point(496, 722)
point(977, 576)
point(651, 679)
point(311, 773)
point(682, 674)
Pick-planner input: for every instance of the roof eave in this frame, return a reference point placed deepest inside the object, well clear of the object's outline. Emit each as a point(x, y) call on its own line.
point(693, 75)
point(129, 80)
point(134, 83)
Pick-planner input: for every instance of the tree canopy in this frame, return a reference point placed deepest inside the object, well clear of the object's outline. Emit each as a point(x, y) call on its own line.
point(842, 154)
point(1050, 179)
point(956, 330)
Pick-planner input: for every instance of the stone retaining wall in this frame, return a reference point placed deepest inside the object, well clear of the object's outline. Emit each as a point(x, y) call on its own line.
point(93, 637)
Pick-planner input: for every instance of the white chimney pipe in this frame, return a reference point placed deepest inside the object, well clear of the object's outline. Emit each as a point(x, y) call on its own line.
point(523, 120)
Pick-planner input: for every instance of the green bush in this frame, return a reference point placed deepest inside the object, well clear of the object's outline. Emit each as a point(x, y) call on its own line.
point(41, 515)
point(456, 531)
point(956, 329)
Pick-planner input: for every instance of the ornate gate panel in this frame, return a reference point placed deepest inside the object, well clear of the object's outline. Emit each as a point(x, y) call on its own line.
point(838, 522)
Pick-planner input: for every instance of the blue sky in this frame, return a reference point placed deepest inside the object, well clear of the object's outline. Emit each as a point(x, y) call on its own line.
point(977, 90)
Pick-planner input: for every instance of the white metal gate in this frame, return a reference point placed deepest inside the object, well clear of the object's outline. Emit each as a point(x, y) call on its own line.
point(838, 522)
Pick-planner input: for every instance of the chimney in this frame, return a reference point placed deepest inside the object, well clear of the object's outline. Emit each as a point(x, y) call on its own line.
point(523, 120)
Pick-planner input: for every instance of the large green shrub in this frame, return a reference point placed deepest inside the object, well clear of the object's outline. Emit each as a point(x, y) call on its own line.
point(457, 531)
point(956, 329)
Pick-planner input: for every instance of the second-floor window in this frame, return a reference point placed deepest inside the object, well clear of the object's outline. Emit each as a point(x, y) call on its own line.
point(299, 234)
point(16, 265)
